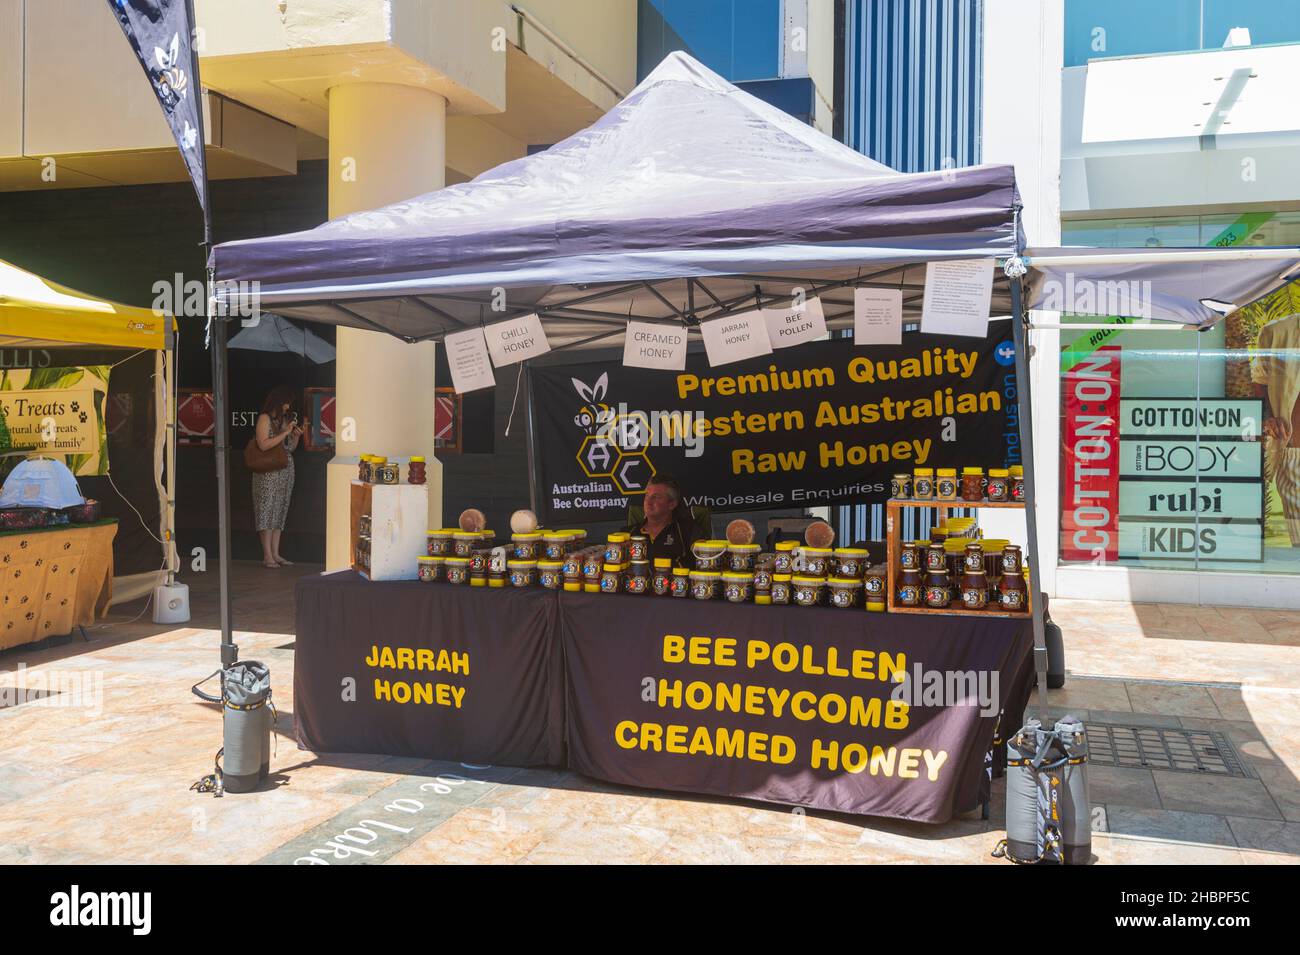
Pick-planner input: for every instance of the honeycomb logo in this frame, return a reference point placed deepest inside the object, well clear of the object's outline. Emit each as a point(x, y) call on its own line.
point(620, 451)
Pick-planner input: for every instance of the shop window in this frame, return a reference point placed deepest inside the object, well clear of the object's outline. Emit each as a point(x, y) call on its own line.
point(1180, 450)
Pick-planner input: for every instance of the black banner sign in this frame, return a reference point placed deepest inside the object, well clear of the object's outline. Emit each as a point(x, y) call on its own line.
point(410, 669)
point(823, 423)
point(833, 709)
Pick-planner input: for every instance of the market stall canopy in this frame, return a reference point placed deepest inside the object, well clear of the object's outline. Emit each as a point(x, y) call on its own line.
point(1194, 287)
point(272, 333)
point(688, 200)
point(38, 313)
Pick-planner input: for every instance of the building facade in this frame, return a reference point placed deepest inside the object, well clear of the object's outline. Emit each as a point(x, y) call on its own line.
point(1165, 458)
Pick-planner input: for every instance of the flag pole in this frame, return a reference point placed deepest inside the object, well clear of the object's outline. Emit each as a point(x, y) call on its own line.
point(217, 330)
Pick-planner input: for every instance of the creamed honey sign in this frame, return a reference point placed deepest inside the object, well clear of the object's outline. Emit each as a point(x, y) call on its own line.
point(824, 423)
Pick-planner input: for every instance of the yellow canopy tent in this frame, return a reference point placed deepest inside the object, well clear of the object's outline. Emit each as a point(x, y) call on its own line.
point(38, 313)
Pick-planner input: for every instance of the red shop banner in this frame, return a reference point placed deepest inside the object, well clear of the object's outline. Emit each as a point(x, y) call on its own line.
point(1090, 458)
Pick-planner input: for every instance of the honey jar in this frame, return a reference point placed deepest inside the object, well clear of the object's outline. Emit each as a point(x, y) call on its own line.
point(923, 484)
point(783, 559)
point(740, 557)
point(457, 570)
point(936, 559)
point(974, 589)
point(709, 554)
point(439, 542)
point(550, 573)
point(705, 584)
point(900, 487)
point(555, 545)
point(972, 484)
point(816, 561)
point(845, 592)
point(851, 561)
point(415, 471)
point(909, 591)
point(999, 486)
point(781, 587)
point(661, 581)
point(527, 546)
point(938, 590)
point(737, 586)
point(680, 585)
point(637, 580)
point(617, 546)
point(1013, 593)
point(611, 578)
point(909, 558)
point(522, 573)
point(874, 583)
point(945, 485)
point(1017, 483)
point(808, 591)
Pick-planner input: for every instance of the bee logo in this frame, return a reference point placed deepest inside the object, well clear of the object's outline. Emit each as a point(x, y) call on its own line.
point(594, 415)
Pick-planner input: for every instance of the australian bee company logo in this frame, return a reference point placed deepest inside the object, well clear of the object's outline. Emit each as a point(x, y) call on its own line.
point(614, 444)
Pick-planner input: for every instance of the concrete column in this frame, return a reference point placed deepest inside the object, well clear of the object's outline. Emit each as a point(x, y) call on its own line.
point(1024, 50)
point(387, 143)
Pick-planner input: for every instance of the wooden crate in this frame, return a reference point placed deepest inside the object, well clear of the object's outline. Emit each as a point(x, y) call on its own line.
point(398, 514)
point(894, 547)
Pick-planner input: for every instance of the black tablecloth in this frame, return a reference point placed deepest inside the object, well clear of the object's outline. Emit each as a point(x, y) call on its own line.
point(774, 719)
point(808, 709)
point(506, 709)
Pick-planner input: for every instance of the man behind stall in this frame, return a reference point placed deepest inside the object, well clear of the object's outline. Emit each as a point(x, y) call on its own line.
point(668, 522)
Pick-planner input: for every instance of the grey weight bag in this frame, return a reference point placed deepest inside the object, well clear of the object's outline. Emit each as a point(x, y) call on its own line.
point(247, 715)
point(1047, 795)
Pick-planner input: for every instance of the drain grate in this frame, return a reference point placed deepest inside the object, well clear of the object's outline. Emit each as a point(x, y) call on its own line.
point(1173, 750)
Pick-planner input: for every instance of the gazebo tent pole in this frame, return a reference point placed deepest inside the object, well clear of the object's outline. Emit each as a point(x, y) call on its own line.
point(229, 652)
point(217, 328)
point(531, 435)
point(1025, 422)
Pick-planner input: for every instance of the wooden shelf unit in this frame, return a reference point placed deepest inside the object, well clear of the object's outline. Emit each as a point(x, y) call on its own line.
point(894, 547)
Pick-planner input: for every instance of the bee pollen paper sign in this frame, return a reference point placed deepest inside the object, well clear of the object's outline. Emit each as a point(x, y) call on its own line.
point(516, 340)
point(467, 355)
point(795, 325)
point(735, 338)
point(957, 296)
point(651, 345)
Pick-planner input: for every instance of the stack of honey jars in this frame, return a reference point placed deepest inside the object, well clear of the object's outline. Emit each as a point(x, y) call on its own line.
point(961, 572)
point(955, 486)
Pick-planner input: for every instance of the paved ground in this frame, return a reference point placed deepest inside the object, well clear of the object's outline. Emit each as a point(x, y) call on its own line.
point(110, 783)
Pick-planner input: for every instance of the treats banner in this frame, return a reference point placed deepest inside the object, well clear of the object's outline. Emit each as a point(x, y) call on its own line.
point(816, 707)
point(823, 423)
point(440, 672)
point(56, 411)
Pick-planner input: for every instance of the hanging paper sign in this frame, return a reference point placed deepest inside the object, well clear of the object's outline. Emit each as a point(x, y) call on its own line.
point(467, 355)
point(735, 338)
point(877, 316)
point(516, 340)
point(651, 345)
point(957, 296)
point(795, 325)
